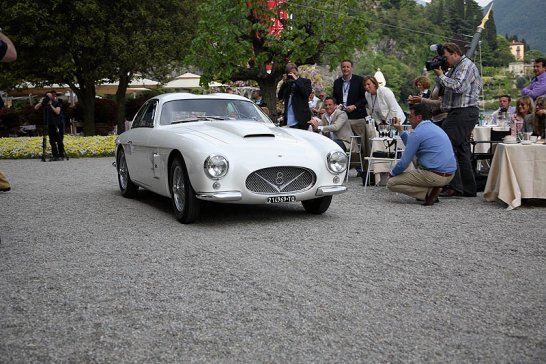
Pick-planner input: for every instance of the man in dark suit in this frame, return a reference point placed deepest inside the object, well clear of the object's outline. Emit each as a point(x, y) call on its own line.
point(295, 92)
point(350, 93)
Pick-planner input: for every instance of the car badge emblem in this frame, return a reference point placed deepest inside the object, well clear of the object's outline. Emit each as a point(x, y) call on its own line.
point(280, 179)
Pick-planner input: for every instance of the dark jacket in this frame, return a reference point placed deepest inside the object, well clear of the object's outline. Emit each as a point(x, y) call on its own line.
point(356, 96)
point(300, 89)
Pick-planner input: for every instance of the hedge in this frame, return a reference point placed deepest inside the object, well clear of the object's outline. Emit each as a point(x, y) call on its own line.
point(75, 147)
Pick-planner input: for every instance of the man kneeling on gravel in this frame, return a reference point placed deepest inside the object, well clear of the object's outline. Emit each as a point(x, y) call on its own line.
point(435, 160)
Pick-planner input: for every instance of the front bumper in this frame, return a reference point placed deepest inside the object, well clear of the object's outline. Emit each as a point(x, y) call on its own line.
point(236, 196)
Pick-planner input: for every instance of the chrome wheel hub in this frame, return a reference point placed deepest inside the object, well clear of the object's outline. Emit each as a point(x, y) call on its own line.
point(179, 189)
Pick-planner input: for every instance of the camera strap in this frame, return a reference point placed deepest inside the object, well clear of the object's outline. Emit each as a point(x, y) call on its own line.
point(452, 71)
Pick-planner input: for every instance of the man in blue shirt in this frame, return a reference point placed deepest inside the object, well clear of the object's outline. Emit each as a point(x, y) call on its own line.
point(435, 159)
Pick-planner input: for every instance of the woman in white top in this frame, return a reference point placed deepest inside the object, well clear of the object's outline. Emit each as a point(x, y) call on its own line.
point(381, 103)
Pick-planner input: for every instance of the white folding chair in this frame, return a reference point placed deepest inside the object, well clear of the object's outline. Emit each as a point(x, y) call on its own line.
point(397, 152)
point(356, 147)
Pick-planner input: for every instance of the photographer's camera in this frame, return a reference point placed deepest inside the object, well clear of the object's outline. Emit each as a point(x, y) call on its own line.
point(440, 61)
point(46, 100)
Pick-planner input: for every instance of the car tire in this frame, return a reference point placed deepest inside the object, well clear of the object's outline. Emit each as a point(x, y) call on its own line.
point(185, 205)
point(317, 206)
point(127, 187)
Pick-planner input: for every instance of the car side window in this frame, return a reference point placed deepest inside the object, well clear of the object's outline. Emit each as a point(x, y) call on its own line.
point(145, 116)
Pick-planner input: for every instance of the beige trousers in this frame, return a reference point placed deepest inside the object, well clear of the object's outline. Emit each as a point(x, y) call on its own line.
point(4, 184)
point(417, 183)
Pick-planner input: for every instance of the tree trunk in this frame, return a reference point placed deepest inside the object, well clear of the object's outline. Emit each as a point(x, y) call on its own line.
point(121, 98)
point(268, 87)
point(86, 98)
point(88, 108)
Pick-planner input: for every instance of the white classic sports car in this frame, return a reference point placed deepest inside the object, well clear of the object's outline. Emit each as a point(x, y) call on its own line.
point(223, 148)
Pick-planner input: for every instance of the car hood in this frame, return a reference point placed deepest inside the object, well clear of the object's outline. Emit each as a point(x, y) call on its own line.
point(231, 132)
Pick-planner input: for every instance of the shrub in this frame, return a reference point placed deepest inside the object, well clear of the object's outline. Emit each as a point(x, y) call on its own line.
point(75, 147)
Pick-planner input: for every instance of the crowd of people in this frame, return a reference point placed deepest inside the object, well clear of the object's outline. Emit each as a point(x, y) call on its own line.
point(441, 120)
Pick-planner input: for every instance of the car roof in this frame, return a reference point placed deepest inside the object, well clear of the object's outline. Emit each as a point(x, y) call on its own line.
point(190, 96)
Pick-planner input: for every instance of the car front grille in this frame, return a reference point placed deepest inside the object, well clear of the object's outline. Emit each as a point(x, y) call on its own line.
point(281, 180)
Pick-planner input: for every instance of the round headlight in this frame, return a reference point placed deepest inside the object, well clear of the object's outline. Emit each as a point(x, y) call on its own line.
point(216, 166)
point(337, 162)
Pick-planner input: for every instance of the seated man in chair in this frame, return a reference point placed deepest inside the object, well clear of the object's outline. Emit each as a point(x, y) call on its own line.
point(432, 149)
point(334, 124)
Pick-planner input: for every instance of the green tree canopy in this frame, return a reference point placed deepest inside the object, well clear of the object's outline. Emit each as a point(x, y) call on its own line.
point(234, 41)
point(83, 42)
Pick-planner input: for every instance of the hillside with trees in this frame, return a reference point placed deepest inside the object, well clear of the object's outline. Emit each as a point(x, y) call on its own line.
point(523, 19)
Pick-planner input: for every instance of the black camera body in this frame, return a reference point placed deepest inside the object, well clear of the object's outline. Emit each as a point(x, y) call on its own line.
point(440, 61)
point(437, 62)
point(46, 101)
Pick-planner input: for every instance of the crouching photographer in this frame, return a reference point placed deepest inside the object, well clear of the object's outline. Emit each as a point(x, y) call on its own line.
point(54, 122)
point(461, 89)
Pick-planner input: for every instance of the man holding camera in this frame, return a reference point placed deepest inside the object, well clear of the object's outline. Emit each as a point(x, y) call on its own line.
point(295, 92)
point(54, 120)
point(462, 85)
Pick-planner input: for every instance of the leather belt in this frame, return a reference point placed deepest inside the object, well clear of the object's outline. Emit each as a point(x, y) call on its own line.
point(442, 174)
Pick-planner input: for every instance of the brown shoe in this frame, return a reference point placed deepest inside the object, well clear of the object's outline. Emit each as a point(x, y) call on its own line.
point(432, 196)
point(5, 189)
point(450, 193)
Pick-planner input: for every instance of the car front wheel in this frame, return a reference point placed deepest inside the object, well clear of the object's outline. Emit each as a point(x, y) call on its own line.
point(186, 206)
point(317, 206)
point(127, 187)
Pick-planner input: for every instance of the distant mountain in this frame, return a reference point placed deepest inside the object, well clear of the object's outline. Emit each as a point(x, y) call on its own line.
point(524, 18)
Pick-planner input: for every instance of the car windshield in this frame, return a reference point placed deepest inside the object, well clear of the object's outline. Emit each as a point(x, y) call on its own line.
point(191, 110)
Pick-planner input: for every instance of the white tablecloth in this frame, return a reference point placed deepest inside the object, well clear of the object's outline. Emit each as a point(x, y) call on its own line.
point(479, 134)
point(483, 133)
point(517, 171)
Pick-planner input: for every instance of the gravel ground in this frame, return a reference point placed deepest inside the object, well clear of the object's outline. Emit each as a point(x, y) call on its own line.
point(89, 276)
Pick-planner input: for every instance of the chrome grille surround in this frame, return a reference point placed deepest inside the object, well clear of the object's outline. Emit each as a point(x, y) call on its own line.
point(280, 180)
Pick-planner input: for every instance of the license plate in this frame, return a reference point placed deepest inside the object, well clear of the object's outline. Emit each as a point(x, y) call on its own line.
point(279, 199)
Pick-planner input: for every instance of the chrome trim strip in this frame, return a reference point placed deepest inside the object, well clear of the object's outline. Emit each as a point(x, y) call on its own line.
point(330, 190)
point(220, 196)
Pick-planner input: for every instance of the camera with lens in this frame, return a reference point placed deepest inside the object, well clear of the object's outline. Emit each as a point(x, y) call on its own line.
point(440, 61)
point(46, 100)
point(289, 76)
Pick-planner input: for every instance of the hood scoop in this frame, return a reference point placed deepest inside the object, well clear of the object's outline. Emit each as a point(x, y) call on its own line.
point(245, 129)
point(270, 135)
